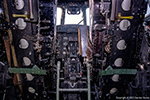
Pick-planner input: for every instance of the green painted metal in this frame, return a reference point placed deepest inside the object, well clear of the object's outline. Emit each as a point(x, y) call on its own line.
point(58, 81)
point(88, 80)
point(34, 70)
point(110, 71)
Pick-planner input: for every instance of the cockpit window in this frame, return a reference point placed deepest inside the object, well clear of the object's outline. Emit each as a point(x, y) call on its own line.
point(87, 16)
point(73, 19)
point(59, 14)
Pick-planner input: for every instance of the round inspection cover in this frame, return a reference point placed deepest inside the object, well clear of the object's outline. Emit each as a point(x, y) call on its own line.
point(21, 23)
point(23, 44)
point(121, 45)
point(19, 4)
point(126, 5)
point(29, 77)
point(31, 90)
point(113, 90)
point(26, 61)
point(124, 25)
point(118, 62)
point(115, 78)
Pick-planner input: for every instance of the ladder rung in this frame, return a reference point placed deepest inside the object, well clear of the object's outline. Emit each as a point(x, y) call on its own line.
point(84, 78)
point(62, 78)
point(74, 90)
point(61, 71)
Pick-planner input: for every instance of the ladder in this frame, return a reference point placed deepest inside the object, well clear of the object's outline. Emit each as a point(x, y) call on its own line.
point(58, 89)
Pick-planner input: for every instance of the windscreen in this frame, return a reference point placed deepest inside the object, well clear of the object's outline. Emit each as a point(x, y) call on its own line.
point(72, 18)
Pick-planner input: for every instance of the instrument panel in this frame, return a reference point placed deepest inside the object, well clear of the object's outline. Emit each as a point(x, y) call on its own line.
point(67, 45)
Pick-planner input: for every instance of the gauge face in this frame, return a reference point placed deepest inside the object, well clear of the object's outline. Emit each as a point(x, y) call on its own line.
point(65, 43)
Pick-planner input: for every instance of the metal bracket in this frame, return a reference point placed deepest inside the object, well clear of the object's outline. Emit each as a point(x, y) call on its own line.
point(34, 70)
point(25, 15)
point(110, 71)
point(124, 17)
